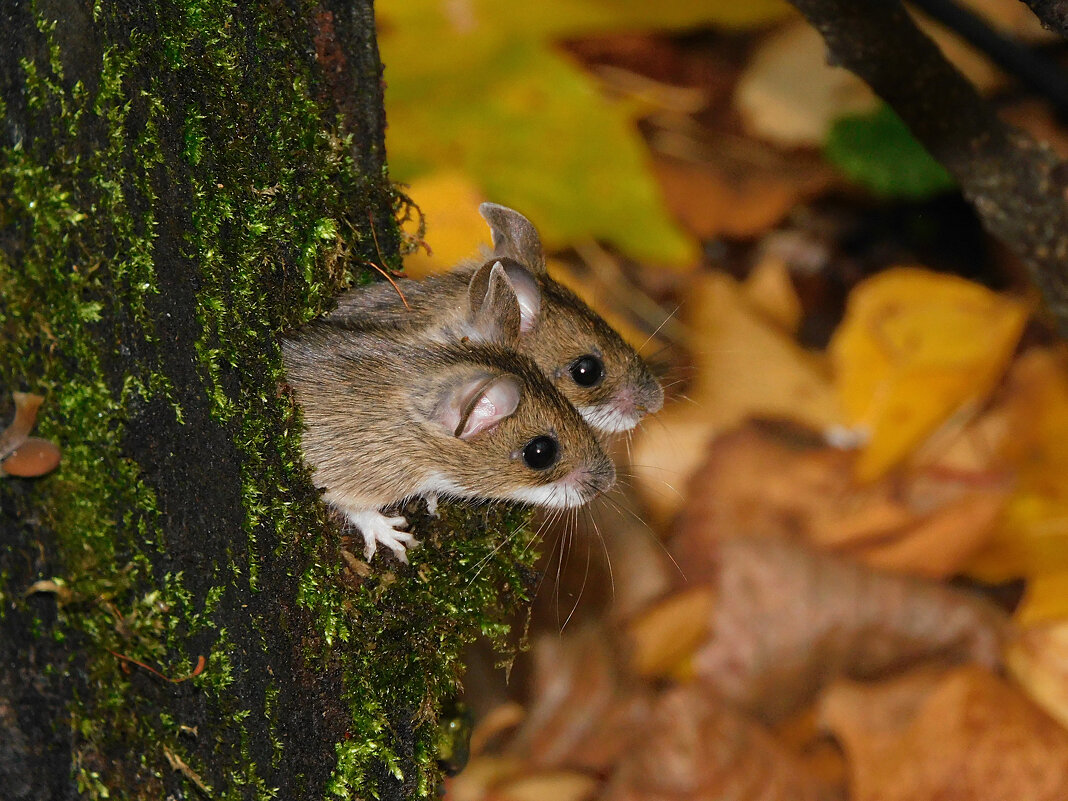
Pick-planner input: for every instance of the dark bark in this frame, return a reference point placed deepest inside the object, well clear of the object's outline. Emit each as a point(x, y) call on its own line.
point(1017, 186)
point(180, 183)
point(1052, 13)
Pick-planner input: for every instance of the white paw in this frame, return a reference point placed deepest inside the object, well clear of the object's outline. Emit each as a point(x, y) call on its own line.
point(432, 503)
point(377, 528)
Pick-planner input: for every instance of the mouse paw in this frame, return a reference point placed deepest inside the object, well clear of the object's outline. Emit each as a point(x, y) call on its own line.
point(432, 503)
point(377, 528)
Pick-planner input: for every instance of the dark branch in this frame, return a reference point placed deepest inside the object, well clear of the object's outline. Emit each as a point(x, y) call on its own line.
point(1018, 187)
point(1053, 14)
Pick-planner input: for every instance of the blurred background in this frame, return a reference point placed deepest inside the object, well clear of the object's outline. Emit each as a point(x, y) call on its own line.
point(835, 565)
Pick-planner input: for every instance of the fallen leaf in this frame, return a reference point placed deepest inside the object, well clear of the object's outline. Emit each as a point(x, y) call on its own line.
point(765, 480)
point(525, 124)
point(715, 200)
point(1031, 539)
point(965, 735)
point(1038, 659)
point(663, 638)
point(26, 405)
point(769, 289)
point(697, 746)
point(553, 785)
point(877, 151)
point(791, 95)
point(482, 773)
point(584, 709)
point(743, 366)
point(790, 620)
point(914, 348)
point(1045, 599)
point(34, 457)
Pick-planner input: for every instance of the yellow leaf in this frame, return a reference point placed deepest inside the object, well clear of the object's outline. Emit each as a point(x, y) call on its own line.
point(1031, 538)
point(1045, 599)
point(454, 228)
point(914, 348)
point(664, 638)
point(744, 366)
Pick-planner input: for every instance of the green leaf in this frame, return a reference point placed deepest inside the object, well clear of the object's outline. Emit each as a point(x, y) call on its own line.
point(529, 128)
point(877, 151)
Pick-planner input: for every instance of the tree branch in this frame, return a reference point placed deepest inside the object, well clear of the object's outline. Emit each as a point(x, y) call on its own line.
point(1018, 187)
point(1053, 14)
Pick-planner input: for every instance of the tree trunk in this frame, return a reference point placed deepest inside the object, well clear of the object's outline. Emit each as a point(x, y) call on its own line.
point(179, 183)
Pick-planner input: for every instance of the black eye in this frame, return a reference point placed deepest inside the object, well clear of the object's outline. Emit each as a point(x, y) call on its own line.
point(587, 370)
point(541, 452)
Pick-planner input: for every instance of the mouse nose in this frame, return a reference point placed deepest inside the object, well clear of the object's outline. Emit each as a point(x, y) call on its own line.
point(600, 476)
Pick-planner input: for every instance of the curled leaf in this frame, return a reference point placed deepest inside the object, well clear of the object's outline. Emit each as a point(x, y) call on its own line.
point(965, 735)
point(34, 457)
point(914, 348)
point(789, 620)
point(26, 405)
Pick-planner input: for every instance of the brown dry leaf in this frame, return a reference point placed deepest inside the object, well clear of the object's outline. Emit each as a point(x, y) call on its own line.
point(790, 95)
point(769, 289)
point(789, 620)
point(34, 457)
point(763, 480)
point(482, 773)
point(550, 785)
point(713, 200)
point(26, 406)
point(964, 735)
point(696, 746)
point(1038, 659)
point(664, 637)
point(584, 711)
point(744, 366)
point(914, 348)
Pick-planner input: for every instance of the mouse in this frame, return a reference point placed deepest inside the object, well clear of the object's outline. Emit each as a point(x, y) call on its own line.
point(583, 356)
point(391, 414)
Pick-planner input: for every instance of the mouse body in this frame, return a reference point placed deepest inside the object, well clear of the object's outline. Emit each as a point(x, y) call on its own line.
point(391, 414)
point(583, 356)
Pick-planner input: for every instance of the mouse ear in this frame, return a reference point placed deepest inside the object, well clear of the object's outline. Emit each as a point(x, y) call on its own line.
point(527, 292)
point(478, 404)
point(514, 236)
point(493, 306)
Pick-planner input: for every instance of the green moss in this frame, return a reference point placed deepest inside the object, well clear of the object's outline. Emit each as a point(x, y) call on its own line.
point(274, 224)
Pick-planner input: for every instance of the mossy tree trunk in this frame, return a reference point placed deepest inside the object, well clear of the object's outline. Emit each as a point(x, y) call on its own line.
point(180, 182)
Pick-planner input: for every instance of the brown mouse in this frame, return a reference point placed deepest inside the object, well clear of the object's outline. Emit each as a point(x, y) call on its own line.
point(393, 414)
point(605, 379)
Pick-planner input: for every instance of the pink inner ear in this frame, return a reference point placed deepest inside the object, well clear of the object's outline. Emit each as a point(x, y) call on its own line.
point(495, 403)
point(528, 293)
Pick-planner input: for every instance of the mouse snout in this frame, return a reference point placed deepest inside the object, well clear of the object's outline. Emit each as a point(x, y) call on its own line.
point(647, 394)
point(594, 478)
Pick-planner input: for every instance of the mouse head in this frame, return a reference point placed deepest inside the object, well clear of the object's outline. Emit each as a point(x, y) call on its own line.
point(501, 431)
point(587, 361)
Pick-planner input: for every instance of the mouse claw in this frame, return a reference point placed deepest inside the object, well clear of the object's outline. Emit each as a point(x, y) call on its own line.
point(377, 528)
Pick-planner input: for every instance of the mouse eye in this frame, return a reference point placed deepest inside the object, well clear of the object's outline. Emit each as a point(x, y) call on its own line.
point(587, 371)
point(541, 453)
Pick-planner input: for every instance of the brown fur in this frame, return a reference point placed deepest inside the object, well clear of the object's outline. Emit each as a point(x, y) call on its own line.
point(368, 398)
point(566, 328)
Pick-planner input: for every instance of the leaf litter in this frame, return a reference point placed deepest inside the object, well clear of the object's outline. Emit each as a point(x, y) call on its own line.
point(851, 576)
